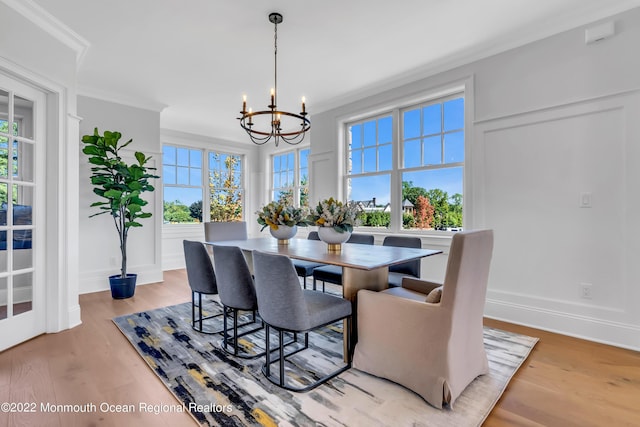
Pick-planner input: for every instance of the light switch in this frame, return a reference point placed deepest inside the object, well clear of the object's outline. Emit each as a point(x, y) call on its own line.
point(585, 200)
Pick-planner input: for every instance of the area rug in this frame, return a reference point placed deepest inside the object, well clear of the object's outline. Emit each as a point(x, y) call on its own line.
point(219, 389)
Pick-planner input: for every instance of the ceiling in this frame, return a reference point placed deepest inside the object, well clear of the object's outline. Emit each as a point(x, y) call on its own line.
point(197, 58)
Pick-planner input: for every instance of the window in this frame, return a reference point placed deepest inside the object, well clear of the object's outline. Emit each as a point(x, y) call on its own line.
point(226, 193)
point(290, 176)
point(182, 180)
point(185, 184)
point(426, 185)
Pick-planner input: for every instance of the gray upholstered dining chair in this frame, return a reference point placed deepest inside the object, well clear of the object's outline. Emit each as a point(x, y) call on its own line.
point(237, 293)
point(409, 268)
point(426, 336)
point(202, 281)
point(305, 268)
point(284, 306)
point(218, 231)
point(333, 273)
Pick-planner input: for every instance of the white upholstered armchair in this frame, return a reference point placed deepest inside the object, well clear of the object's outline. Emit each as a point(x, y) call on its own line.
point(433, 348)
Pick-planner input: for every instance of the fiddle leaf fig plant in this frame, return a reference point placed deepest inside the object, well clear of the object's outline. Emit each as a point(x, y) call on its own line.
point(119, 184)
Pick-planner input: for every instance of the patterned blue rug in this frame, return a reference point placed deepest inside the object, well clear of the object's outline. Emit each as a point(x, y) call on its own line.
point(219, 389)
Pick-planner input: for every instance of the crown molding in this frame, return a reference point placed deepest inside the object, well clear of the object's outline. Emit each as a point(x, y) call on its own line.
point(103, 95)
point(50, 24)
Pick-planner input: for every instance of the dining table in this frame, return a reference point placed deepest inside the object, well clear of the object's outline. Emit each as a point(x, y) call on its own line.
point(363, 266)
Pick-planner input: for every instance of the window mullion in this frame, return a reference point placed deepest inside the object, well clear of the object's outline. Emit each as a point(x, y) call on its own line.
point(206, 190)
point(396, 180)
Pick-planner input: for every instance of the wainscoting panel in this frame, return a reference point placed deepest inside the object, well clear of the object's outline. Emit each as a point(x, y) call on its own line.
point(554, 184)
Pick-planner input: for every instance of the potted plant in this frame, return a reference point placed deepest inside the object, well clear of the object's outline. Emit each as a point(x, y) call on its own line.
point(120, 185)
point(282, 219)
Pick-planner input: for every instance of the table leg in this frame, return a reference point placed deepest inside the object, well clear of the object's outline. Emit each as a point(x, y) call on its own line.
point(354, 279)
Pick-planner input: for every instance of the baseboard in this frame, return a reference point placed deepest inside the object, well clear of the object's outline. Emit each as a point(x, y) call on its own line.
point(97, 281)
point(75, 318)
point(589, 328)
point(174, 262)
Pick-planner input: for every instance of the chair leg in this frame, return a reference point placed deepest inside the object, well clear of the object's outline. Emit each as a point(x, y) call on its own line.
point(281, 351)
point(268, 352)
point(281, 379)
point(198, 323)
point(235, 332)
point(230, 339)
point(193, 309)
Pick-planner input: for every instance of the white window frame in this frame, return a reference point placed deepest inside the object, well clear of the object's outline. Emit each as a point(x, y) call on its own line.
point(297, 186)
point(204, 185)
point(462, 88)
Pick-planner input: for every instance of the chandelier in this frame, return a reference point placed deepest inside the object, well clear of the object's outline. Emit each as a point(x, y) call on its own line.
point(263, 126)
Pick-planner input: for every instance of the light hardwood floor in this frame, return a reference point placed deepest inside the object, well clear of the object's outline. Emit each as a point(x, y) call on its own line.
point(564, 382)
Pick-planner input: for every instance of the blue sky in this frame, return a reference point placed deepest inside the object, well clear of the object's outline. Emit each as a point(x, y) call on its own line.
point(433, 135)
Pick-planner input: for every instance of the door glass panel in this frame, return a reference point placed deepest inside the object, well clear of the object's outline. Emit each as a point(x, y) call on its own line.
point(3, 297)
point(22, 293)
point(23, 253)
point(3, 252)
point(22, 231)
point(22, 205)
point(17, 153)
point(22, 161)
point(3, 204)
point(23, 117)
point(4, 156)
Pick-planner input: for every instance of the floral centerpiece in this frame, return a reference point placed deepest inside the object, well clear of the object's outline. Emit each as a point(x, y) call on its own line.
point(342, 217)
point(335, 221)
point(276, 214)
point(282, 219)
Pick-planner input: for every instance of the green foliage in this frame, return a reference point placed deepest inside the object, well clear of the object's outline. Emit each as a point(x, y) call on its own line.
point(333, 213)
point(376, 219)
point(176, 212)
point(408, 220)
point(447, 210)
point(225, 192)
point(195, 210)
point(8, 159)
point(118, 183)
point(411, 193)
point(276, 213)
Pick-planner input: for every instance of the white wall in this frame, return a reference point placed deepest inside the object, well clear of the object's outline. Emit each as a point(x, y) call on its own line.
point(551, 120)
point(99, 245)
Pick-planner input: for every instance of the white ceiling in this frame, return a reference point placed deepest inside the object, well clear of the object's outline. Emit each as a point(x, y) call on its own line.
point(198, 57)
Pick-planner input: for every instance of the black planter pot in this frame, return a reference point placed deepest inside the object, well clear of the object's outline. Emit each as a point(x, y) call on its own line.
point(123, 288)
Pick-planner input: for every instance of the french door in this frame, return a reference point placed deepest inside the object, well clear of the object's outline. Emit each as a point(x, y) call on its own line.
point(22, 288)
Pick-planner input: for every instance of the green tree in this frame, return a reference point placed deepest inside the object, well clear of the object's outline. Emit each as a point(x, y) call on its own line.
point(411, 193)
point(439, 199)
point(176, 212)
point(195, 210)
point(376, 219)
point(408, 220)
point(7, 151)
point(225, 192)
point(454, 219)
